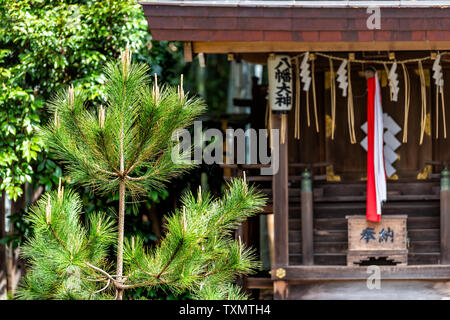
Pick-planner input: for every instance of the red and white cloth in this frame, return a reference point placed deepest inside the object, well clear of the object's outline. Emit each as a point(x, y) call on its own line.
point(376, 176)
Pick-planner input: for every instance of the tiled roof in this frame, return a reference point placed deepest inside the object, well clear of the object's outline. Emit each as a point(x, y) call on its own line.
point(247, 21)
point(308, 4)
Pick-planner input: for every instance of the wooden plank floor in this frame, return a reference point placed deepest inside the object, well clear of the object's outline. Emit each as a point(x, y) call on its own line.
point(358, 290)
point(322, 273)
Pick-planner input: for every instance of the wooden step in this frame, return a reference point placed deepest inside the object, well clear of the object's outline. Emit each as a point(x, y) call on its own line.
point(427, 246)
point(336, 210)
point(413, 222)
point(341, 235)
point(337, 259)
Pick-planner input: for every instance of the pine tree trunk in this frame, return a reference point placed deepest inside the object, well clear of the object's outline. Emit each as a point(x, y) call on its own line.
point(121, 231)
point(119, 268)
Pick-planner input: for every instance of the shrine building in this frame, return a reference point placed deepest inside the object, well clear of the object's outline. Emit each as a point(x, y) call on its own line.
point(320, 244)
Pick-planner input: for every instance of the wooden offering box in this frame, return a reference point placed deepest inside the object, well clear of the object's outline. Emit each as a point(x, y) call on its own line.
point(382, 243)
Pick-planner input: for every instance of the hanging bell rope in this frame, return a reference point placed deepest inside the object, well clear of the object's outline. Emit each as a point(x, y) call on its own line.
point(407, 102)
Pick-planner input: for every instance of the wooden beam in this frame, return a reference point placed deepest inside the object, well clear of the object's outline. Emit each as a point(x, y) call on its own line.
point(360, 290)
point(418, 272)
point(281, 200)
point(301, 46)
point(259, 283)
point(188, 53)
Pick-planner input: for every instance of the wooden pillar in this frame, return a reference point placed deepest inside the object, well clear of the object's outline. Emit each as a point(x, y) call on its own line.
point(307, 219)
point(281, 215)
point(224, 127)
point(188, 54)
point(445, 216)
point(241, 234)
point(281, 201)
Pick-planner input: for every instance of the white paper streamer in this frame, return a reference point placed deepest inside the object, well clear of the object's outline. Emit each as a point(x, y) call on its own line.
point(305, 73)
point(393, 82)
point(342, 78)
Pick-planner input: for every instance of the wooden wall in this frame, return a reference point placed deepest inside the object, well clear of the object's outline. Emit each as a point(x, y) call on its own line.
point(349, 160)
point(334, 201)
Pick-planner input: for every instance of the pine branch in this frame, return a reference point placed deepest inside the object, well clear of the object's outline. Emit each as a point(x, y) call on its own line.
point(108, 160)
point(139, 178)
point(57, 238)
point(80, 133)
point(104, 288)
point(143, 270)
point(132, 163)
point(172, 257)
point(101, 271)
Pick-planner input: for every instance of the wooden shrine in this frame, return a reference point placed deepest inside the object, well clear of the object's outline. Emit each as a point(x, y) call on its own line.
point(319, 191)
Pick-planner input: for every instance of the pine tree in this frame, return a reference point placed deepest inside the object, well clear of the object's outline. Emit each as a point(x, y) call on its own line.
point(125, 147)
point(69, 261)
point(61, 245)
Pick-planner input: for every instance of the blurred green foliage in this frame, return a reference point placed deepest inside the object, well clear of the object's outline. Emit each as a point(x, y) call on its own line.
point(48, 44)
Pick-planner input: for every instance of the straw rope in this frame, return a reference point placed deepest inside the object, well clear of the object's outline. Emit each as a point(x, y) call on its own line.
point(350, 103)
point(314, 95)
point(437, 112)
point(333, 99)
point(350, 107)
point(423, 117)
point(443, 112)
point(407, 102)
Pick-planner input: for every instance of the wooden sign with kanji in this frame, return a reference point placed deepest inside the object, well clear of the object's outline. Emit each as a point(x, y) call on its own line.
point(382, 243)
point(280, 83)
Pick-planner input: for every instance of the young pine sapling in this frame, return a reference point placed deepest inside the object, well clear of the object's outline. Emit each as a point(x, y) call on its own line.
point(126, 147)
